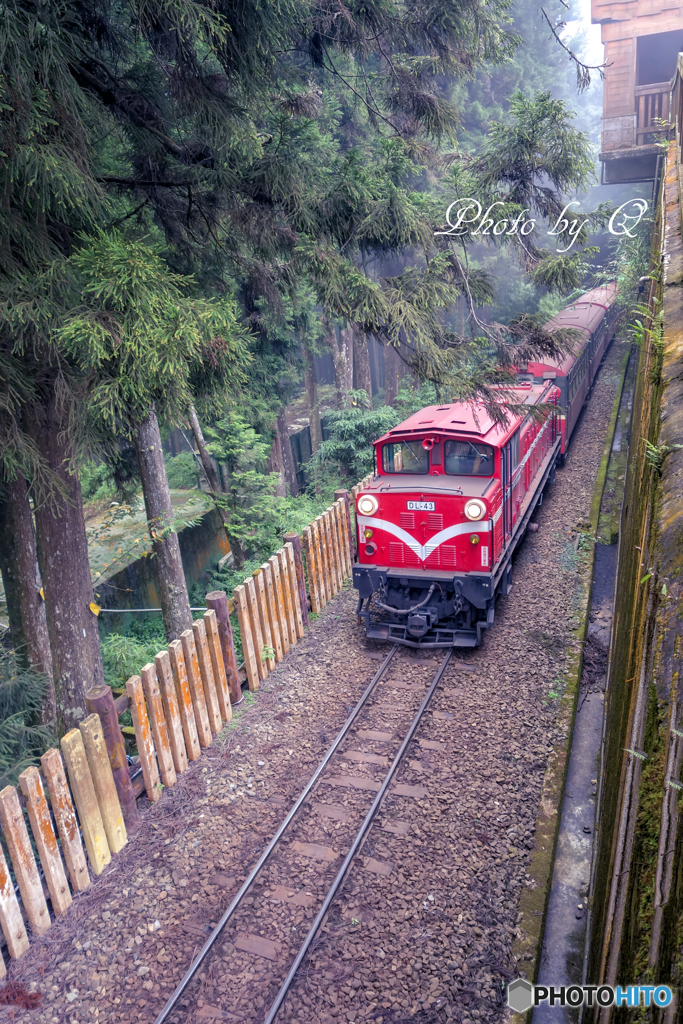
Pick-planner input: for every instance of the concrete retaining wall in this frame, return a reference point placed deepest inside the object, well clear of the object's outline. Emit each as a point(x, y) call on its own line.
point(637, 891)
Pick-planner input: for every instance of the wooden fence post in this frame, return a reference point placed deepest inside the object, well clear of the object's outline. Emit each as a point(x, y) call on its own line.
point(273, 619)
point(45, 839)
point(65, 817)
point(103, 780)
point(214, 641)
point(196, 689)
point(278, 591)
point(143, 738)
point(23, 861)
point(217, 601)
point(307, 542)
point(340, 520)
point(325, 576)
point(100, 701)
point(294, 589)
point(295, 540)
point(264, 618)
point(169, 699)
point(281, 556)
point(206, 671)
point(339, 553)
point(157, 720)
point(344, 496)
point(85, 798)
point(182, 685)
point(316, 562)
point(331, 552)
point(255, 623)
point(248, 652)
point(342, 543)
point(10, 915)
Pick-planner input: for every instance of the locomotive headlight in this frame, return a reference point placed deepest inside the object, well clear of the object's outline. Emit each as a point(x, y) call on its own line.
point(368, 534)
point(367, 505)
point(475, 509)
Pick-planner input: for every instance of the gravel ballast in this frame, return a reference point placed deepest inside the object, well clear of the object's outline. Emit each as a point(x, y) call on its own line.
point(424, 927)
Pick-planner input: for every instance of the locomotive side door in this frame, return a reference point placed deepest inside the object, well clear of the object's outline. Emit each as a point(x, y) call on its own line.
point(506, 479)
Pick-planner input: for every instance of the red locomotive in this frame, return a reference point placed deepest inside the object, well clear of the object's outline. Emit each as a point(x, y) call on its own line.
point(454, 491)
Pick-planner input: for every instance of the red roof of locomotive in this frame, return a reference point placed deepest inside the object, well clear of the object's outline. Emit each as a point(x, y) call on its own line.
point(470, 417)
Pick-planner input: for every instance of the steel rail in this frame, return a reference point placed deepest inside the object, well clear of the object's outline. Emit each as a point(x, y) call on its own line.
point(358, 841)
point(206, 949)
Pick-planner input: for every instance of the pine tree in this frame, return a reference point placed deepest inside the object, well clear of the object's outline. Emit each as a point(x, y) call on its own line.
point(139, 335)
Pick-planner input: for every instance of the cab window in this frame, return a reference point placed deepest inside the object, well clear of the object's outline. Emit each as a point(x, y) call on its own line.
point(468, 458)
point(405, 457)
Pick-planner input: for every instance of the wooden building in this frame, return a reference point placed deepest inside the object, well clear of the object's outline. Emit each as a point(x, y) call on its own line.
point(642, 39)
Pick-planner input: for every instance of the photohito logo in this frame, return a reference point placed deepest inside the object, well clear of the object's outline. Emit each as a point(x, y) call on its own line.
point(522, 995)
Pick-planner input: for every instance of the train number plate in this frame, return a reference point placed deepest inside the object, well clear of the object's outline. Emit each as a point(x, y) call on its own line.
point(420, 506)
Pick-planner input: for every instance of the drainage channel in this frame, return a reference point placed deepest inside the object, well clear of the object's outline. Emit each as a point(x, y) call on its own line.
point(564, 938)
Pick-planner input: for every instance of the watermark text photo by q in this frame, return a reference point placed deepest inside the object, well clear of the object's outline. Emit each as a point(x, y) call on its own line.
point(467, 217)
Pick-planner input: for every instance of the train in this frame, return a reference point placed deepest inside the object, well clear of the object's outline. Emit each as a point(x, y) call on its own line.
point(454, 491)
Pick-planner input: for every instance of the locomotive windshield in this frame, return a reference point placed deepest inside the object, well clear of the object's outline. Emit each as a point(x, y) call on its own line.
point(468, 458)
point(405, 457)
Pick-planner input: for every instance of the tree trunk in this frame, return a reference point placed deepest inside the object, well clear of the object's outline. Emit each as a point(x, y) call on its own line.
point(275, 463)
point(215, 487)
point(287, 456)
point(62, 548)
point(394, 369)
point(362, 378)
point(313, 405)
point(21, 578)
point(175, 604)
point(207, 464)
point(341, 347)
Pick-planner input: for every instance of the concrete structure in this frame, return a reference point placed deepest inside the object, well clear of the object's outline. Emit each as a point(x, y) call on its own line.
point(642, 39)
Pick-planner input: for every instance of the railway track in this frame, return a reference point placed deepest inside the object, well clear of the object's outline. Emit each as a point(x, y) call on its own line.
point(426, 927)
point(271, 895)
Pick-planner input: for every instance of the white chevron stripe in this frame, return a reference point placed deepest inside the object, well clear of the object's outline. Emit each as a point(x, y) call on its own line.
point(423, 551)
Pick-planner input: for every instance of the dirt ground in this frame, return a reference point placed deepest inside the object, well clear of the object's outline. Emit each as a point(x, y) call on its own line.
point(425, 936)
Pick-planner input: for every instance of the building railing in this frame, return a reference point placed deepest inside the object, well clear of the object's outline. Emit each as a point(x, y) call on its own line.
point(652, 107)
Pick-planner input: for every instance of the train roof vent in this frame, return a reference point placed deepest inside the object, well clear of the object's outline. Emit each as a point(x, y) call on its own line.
point(425, 421)
point(442, 408)
point(459, 421)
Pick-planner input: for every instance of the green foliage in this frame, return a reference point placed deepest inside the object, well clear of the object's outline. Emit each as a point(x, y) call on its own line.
point(138, 334)
point(182, 471)
point(256, 516)
point(249, 505)
point(352, 431)
point(645, 327)
point(124, 654)
point(655, 454)
point(22, 740)
point(97, 483)
point(539, 155)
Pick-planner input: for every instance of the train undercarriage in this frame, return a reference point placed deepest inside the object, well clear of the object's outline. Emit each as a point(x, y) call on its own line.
point(437, 611)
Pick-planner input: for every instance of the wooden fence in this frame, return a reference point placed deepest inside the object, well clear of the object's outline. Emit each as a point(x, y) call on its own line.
point(81, 803)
